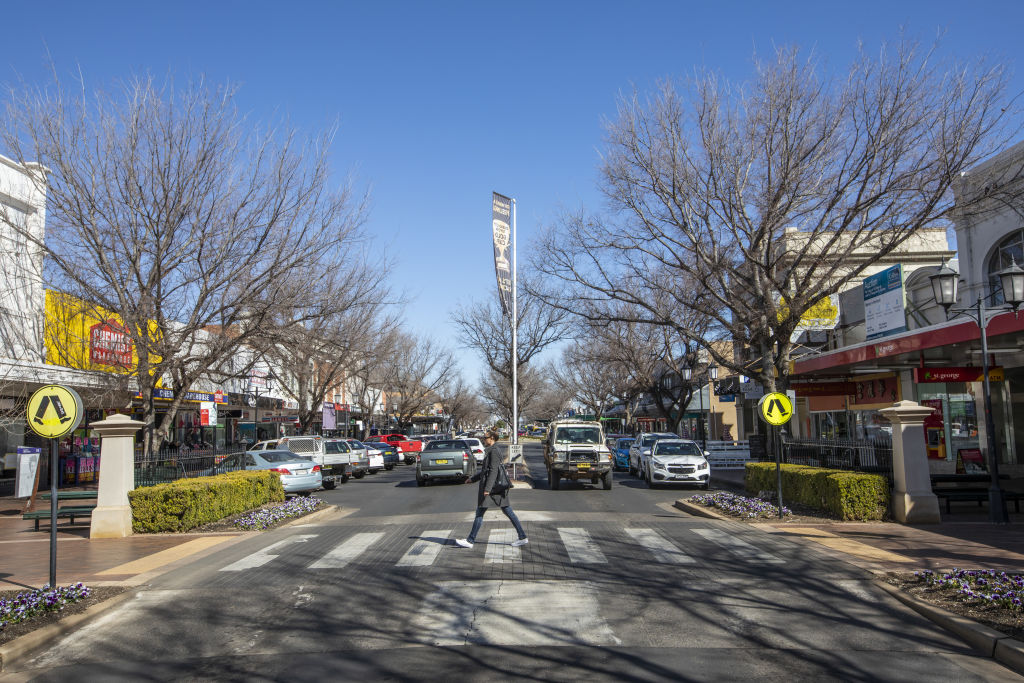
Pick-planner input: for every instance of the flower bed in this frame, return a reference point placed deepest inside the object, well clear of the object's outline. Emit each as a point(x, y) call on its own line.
point(986, 586)
point(24, 606)
point(747, 508)
point(264, 518)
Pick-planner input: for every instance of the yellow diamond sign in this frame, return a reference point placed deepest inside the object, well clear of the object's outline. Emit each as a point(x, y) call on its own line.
point(776, 409)
point(54, 411)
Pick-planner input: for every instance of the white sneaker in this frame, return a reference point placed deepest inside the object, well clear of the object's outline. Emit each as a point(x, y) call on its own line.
point(463, 543)
point(521, 541)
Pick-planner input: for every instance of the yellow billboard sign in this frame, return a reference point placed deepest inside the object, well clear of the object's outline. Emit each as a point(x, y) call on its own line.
point(84, 336)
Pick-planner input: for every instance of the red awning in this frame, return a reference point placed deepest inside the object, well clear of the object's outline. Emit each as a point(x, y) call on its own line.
point(953, 332)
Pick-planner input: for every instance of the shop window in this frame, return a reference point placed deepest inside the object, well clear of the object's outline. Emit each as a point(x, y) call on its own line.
point(1009, 250)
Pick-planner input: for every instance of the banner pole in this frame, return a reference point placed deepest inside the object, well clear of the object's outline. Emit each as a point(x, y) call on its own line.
point(515, 336)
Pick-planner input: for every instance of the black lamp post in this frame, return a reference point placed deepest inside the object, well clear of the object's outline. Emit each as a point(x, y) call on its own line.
point(944, 286)
point(255, 395)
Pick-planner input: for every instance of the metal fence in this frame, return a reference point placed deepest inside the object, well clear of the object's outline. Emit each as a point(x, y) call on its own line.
point(873, 455)
point(171, 464)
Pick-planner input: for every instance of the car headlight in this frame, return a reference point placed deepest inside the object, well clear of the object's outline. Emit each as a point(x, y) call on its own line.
point(703, 465)
point(658, 465)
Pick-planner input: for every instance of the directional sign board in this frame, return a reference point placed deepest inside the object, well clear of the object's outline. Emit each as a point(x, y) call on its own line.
point(776, 409)
point(54, 411)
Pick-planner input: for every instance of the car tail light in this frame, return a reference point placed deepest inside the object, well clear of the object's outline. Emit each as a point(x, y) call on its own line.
point(417, 457)
point(465, 455)
point(316, 468)
point(280, 470)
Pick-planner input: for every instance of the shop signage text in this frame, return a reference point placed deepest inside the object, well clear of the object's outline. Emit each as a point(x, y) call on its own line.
point(824, 388)
point(876, 390)
point(109, 344)
point(192, 396)
point(968, 374)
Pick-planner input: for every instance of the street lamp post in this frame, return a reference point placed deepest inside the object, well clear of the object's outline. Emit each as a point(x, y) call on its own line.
point(256, 405)
point(712, 376)
point(944, 287)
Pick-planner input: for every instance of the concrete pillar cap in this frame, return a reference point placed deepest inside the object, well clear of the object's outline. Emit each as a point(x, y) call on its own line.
point(117, 425)
point(906, 411)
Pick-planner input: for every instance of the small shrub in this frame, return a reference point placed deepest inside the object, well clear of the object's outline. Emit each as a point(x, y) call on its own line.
point(187, 503)
point(847, 495)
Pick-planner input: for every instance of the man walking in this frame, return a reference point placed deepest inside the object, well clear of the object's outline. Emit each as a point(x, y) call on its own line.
point(489, 477)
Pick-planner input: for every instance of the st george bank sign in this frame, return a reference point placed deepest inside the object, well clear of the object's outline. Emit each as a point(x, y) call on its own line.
point(933, 375)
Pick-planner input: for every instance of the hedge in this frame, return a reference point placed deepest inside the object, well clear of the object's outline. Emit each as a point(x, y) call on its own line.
point(847, 495)
point(187, 503)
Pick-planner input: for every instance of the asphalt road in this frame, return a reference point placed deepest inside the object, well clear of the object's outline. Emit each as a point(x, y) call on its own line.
point(614, 585)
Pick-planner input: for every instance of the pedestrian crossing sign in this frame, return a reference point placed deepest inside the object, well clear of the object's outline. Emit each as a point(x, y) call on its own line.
point(775, 408)
point(54, 411)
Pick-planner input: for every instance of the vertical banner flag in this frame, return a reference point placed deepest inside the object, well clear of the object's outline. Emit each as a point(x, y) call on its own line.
point(501, 216)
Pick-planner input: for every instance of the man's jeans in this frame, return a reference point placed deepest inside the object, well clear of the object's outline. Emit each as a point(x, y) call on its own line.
point(479, 520)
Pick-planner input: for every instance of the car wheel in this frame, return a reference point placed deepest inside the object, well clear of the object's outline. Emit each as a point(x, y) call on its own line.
point(389, 467)
point(330, 485)
point(707, 485)
point(359, 475)
point(606, 481)
point(420, 482)
point(650, 482)
point(345, 478)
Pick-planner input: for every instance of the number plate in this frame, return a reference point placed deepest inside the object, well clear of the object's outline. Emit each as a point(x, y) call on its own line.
point(441, 462)
point(300, 472)
point(584, 466)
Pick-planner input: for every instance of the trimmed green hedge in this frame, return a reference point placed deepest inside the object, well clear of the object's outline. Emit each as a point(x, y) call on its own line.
point(187, 503)
point(847, 495)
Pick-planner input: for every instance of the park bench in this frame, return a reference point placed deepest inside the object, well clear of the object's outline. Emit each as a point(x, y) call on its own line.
point(956, 490)
point(70, 511)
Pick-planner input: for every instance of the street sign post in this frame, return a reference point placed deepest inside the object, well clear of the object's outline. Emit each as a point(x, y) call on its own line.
point(54, 411)
point(776, 409)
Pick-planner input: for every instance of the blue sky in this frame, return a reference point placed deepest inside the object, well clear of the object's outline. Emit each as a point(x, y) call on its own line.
point(440, 103)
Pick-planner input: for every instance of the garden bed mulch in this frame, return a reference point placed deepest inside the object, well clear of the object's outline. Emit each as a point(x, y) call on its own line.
point(96, 596)
point(1002, 619)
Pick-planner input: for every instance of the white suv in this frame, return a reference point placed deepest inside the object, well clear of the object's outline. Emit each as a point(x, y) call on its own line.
point(677, 461)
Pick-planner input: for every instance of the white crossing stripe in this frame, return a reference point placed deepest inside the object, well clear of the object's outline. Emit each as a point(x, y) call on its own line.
point(498, 548)
point(345, 552)
point(581, 548)
point(261, 557)
point(738, 546)
point(425, 550)
point(664, 550)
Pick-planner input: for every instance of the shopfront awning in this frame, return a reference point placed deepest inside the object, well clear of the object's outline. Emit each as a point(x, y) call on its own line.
point(947, 342)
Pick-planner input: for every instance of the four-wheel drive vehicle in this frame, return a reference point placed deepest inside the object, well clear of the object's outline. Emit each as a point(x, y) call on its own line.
point(450, 459)
point(409, 447)
point(576, 450)
point(678, 461)
point(358, 463)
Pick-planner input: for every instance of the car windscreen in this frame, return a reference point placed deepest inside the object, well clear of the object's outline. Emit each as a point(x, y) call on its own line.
point(578, 435)
point(446, 446)
point(336, 447)
point(356, 444)
point(378, 445)
point(624, 443)
point(677, 448)
point(473, 443)
point(279, 456)
point(651, 438)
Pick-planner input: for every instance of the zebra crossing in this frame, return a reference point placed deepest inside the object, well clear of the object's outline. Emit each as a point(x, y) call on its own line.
point(577, 545)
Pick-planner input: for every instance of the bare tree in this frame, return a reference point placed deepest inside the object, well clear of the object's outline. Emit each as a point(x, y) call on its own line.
point(373, 374)
point(586, 373)
point(418, 369)
point(770, 197)
point(496, 392)
point(551, 401)
point(462, 403)
point(194, 228)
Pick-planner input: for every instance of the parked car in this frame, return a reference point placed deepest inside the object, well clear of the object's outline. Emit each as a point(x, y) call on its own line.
point(298, 474)
point(642, 447)
point(449, 460)
point(355, 463)
point(575, 450)
point(264, 446)
point(476, 447)
point(621, 453)
point(391, 454)
point(374, 458)
point(677, 461)
point(410, 447)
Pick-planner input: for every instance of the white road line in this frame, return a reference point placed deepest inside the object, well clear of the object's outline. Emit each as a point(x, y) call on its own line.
point(498, 548)
point(739, 546)
point(345, 552)
point(664, 550)
point(581, 548)
point(424, 551)
point(261, 557)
